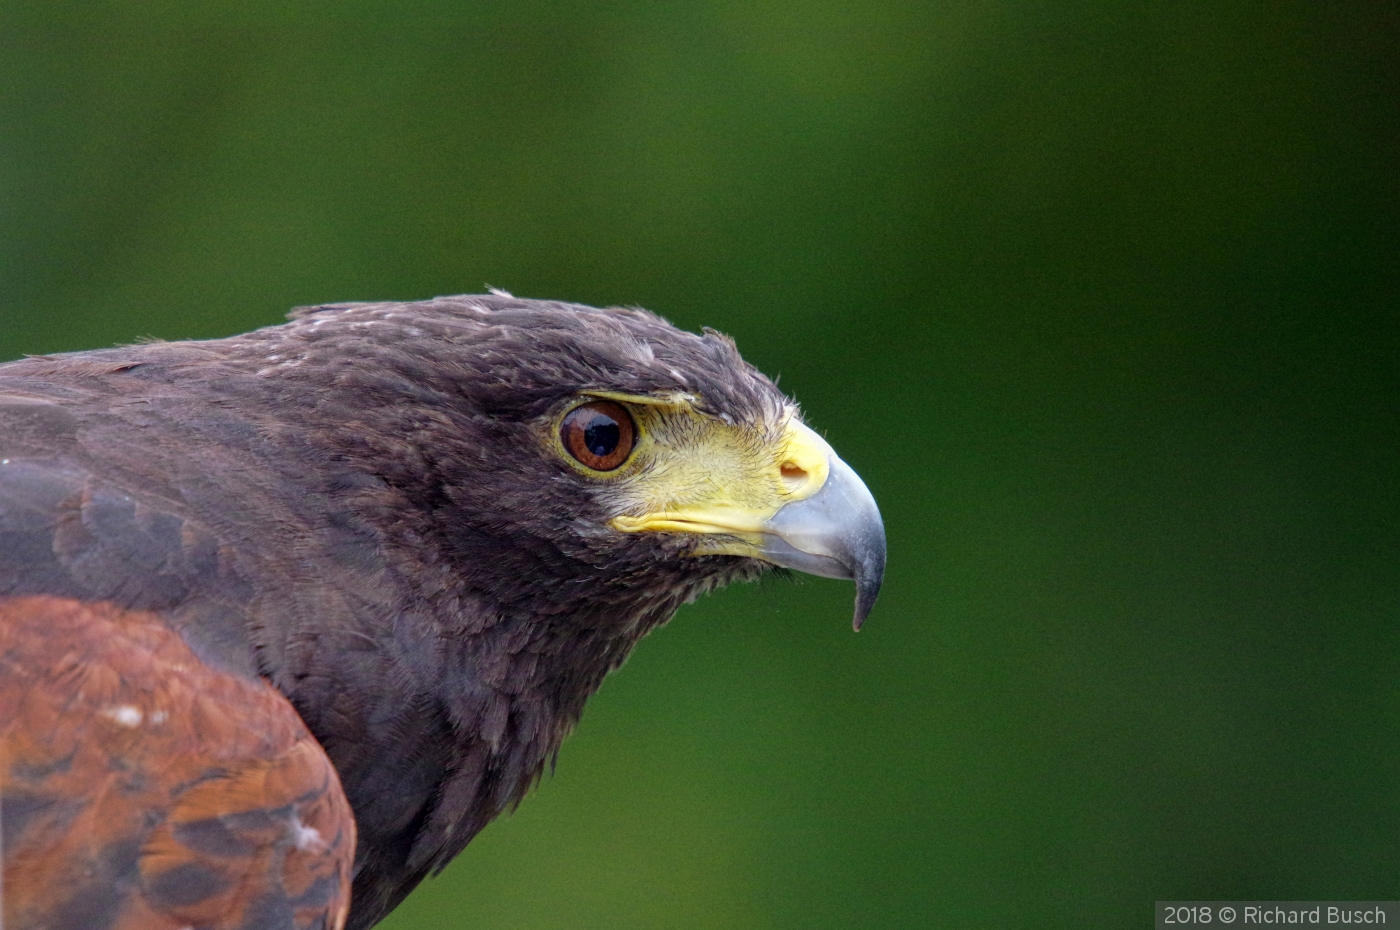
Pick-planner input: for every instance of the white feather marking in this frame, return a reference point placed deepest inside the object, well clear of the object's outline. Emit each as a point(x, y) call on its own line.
point(307, 838)
point(125, 715)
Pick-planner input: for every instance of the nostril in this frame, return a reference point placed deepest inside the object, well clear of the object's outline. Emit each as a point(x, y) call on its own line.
point(792, 472)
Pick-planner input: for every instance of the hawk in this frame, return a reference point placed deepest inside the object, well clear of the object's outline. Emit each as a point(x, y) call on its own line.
point(287, 618)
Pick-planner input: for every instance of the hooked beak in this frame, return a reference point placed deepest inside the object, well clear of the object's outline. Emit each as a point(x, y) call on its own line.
point(835, 533)
point(800, 508)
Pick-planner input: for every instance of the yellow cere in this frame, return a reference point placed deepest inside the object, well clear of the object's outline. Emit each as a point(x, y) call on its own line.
point(693, 473)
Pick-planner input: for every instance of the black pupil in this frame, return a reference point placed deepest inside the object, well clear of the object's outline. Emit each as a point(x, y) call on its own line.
point(602, 434)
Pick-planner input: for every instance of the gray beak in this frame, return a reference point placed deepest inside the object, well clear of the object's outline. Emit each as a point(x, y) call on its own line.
point(835, 533)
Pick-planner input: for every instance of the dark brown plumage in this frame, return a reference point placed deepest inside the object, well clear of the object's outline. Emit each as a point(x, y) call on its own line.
point(368, 510)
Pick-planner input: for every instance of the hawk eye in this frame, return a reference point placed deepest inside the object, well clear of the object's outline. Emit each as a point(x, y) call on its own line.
point(600, 435)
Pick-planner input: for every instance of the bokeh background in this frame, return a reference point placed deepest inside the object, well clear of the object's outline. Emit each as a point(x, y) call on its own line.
point(1100, 298)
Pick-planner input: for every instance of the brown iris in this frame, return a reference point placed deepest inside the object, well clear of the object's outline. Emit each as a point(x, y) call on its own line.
point(600, 435)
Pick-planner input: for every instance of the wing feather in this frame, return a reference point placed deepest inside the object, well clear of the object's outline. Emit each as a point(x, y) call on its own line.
point(141, 787)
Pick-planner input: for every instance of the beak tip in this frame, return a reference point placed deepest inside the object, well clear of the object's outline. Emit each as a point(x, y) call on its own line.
point(867, 590)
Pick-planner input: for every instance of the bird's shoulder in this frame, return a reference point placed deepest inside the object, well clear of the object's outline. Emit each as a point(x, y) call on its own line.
point(148, 494)
point(141, 787)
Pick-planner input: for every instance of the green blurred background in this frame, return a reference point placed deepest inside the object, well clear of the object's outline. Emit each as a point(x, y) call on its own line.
point(1101, 299)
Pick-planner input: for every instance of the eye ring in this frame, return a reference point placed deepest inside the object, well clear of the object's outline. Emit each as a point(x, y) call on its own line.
point(600, 434)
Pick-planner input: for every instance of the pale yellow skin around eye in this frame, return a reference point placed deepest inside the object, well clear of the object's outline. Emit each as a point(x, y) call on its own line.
point(696, 474)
